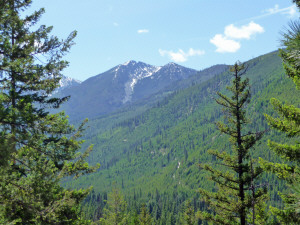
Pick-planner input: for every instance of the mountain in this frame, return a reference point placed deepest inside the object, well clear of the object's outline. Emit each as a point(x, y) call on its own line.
point(120, 86)
point(66, 82)
point(153, 154)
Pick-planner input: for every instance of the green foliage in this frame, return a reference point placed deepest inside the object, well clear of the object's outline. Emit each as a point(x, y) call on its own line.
point(153, 153)
point(188, 214)
point(295, 205)
point(37, 149)
point(232, 201)
point(289, 123)
point(144, 148)
point(115, 214)
point(290, 54)
point(297, 2)
point(144, 217)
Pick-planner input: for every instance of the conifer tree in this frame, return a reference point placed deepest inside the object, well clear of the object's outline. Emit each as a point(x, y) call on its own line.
point(144, 216)
point(115, 213)
point(188, 214)
point(38, 149)
point(288, 122)
point(297, 3)
point(233, 200)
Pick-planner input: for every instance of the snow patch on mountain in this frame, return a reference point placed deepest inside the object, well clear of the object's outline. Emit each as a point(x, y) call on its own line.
point(66, 82)
point(128, 62)
point(133, 83)
point(131, 73)
point(116, 71)
point(138, 72)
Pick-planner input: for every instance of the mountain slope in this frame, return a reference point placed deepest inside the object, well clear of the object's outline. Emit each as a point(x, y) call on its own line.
point(120, 86)
point(66, 82)
point(160, 148)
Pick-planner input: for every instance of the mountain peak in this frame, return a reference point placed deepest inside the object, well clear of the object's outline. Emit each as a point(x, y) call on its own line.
point(130, 62)
point(66, 82)
point(172, 64)
point(136, 71)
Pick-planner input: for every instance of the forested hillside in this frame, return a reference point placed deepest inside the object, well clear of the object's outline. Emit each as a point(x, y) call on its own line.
point(153, 156)
point(165, 145)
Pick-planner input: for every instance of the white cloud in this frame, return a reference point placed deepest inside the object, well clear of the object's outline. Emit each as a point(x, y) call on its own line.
point(244, 32)
point(291, 11)
point(227, 42)
point(273, 10)
point(181, 56)
point(115, 24)
point(141, 31)
point(225, 45)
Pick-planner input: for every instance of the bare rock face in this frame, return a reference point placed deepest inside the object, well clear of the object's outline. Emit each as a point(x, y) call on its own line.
point(122, 85)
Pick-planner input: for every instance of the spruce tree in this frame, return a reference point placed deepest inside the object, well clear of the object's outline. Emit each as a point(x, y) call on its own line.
point(115, 213)
point(144, 216)
point(289, 123)
point(38, 149)
point(232, 202)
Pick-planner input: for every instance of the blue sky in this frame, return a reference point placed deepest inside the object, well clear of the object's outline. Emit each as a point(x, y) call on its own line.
point(192, 33)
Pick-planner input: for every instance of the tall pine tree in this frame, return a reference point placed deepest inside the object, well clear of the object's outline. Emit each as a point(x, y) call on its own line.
point(115, 213)
point(37, 149)
point(232, 202)
point(288, 122)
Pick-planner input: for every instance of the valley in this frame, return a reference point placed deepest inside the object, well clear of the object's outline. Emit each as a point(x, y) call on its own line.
point(153, 147)
point(149, 113)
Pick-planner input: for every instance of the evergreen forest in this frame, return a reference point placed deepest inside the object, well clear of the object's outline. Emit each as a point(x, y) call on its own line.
point(220, 146)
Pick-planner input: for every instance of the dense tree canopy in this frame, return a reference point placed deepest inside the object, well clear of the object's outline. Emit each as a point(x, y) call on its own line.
point(38, 149)
point(289, 123)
